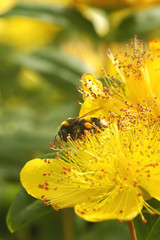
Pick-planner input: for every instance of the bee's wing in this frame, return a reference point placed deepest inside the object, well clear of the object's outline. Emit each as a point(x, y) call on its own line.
point(91, 112)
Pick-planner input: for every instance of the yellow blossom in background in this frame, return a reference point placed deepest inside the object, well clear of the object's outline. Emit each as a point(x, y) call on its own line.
point(82, 49)
point(60, 2)
point(108, 175)
point(26, 33)
point(5, 5)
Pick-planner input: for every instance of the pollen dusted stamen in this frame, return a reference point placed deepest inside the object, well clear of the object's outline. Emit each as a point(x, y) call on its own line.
point(46, 203)
point(112, 165)
point(52, 148)
point(56, 207)
point(144, 220)
point(136, 67)
point(98, 163)
point(51, 144)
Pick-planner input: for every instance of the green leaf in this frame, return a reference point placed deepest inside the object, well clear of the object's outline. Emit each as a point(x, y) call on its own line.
point(139, 22)
point(149, 230)
point(8, 191)
point(68, 18)
point(106, 230)
point(24, 209)
point(32, 134)
point(55, 66)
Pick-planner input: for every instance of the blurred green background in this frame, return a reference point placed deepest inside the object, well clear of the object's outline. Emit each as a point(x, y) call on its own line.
point(45, 47)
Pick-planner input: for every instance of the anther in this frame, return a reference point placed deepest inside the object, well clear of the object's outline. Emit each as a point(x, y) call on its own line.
point(153, 213)
point(46, 183)
point(51, 144)
point(139, 194)
point(144, 220)
point(56, 207)
point(46, 203)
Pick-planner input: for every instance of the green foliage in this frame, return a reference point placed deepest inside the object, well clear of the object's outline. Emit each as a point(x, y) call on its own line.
point(55, 66)
point(139, 22)
point(24, 209)
point(111, 230)
point(68, 18)
point(149, 230)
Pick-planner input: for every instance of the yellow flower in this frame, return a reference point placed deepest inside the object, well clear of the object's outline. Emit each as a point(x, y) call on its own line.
point(112, 173)
point(108, 175)
point(138, 72)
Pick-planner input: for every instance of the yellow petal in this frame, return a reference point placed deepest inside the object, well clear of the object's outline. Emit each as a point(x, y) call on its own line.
point(123, 206)
point(95, 97)
point(56, 182)
point(41, 179)
point(90, 105)
point(33, 175)
point(140, 72)
point(152, 186)
point(91, 87)
point(153, 66)
point(89, 81)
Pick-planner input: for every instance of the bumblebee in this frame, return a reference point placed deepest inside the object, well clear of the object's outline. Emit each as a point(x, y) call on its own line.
point(77, 127)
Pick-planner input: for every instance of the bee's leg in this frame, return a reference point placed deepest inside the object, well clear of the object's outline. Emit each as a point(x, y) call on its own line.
point(55, 139)
point(76, 132)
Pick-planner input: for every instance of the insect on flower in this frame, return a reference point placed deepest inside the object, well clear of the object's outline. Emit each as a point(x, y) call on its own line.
point(77, 127)
point(113, 171)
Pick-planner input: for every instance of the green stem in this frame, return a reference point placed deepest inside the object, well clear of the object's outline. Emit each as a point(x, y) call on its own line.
point(132, 230)
point(67, 224)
